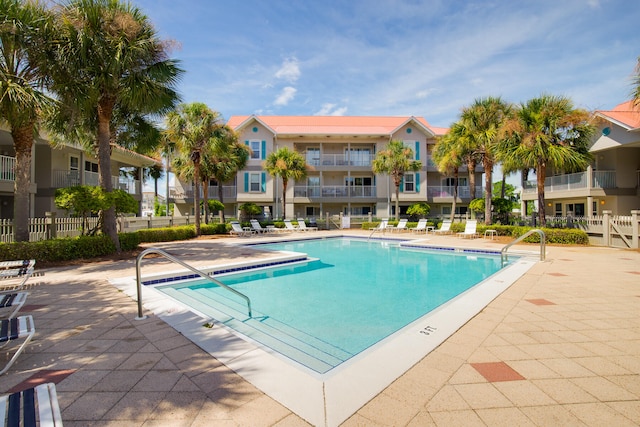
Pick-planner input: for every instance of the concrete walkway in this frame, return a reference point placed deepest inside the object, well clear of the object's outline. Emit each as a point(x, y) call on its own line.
point(560, 347)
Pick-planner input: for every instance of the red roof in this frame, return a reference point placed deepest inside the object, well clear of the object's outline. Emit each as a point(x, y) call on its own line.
point(626, 114)
point(332, 125)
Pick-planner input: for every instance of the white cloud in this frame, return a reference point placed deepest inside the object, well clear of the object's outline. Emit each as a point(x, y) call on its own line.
point(330, 109)
point(289, 71)
point(287, 94)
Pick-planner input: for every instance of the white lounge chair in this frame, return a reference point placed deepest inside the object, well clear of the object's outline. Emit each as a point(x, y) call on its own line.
point(290, 227)
point(18, 328)
point(238, 230)
point(445, 228)
point(258, 228)
point(302, 225)
point(14, 274)
point(402, 226)
point(24, 407)
point(421, 227)
point(470, 229)
point(11, 303)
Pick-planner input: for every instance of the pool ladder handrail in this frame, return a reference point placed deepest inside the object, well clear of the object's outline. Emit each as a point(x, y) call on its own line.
point(185, 265)
point(503, 253)
point(378, 228)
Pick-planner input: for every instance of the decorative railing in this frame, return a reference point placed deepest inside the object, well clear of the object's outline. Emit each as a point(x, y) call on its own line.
point(574, 181)
point(7, 168)
point(354, 159)
point(228, 191)
point(335, 191)
point(464, 191)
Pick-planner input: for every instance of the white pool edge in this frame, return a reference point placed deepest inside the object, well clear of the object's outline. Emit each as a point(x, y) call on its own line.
point(329, 399)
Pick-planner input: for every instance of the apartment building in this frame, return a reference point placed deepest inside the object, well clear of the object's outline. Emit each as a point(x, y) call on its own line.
point(611, 182)
point(339, 152)
point(63, 166)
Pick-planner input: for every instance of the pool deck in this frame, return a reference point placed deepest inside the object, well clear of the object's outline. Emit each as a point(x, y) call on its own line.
point(561, 346)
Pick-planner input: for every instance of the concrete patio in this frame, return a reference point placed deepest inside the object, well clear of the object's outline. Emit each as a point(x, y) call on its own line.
point(560, 347)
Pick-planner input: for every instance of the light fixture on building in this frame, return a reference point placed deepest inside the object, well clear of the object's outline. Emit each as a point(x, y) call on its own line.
point(602, 202)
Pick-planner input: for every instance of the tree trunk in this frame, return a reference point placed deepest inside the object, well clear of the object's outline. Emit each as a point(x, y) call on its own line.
point(196, 195)
point(22, 142)
point(488, 170)
point(105, 110)
point(471, 167)
point(455, 195)
point(541, 172)
point(205, 201)
point(220, 192)
point(285, 182)
point(504, 184)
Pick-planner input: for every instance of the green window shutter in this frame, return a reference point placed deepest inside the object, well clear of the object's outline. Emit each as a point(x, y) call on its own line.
point(246, 143)
point(402, 184)
point(246, 182)
point(417, 150)
point(264, 150)
point(417, 183)
point(263, 181)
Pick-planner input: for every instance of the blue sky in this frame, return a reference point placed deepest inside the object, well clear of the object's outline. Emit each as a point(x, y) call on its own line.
point(411, 57)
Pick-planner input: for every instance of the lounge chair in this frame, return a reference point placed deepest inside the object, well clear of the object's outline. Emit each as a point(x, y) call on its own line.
point(421, 227)
point(21, 327)
point(11, 303)
point(290, 227)
point(381, 227)
point(470, 229)
point(24, 407)
point(238, 230)
point(302, 225)
point(14, 274)
point(402, 226)
point(255, 225)
point(445, 228)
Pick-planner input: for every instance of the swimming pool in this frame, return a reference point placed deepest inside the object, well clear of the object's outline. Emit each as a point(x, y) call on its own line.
point(326, 399)
point(349, 296)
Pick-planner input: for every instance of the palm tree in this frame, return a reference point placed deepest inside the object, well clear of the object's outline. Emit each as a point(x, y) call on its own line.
point(483, 120)
point(548, 132)
point(636, 84)
point(395, 160)
point(193, 127)
point(446, 155)
point(227, 157)
point(286, 164)
point(108, 63)
point(22, 98)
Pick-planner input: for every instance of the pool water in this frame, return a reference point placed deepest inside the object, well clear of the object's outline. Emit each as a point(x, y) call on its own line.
point(352, 295)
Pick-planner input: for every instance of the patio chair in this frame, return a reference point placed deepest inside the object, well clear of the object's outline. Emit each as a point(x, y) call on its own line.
point(31, 407)
point(290, 227)
point(302, 225)
point(240, 231)
point(421, 227)
point(470, 229)
point(445, 228)
point(18, 328)
point(11, 303)
point(402, 226)
point(257, 227)
point(14, 274)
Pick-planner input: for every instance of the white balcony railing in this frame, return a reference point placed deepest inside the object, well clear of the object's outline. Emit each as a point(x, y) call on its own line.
point(7, 168)
point(464, 191)
point(228, 192)
point(66, 178)
point(353, 159)
point(334, 191)
point(574, 181)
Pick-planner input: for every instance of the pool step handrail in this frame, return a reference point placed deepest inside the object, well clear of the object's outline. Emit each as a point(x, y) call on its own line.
point(503, 253)
point(381, 227)
point(185, 265)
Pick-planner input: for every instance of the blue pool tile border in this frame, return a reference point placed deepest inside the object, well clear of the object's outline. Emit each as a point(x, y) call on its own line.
point(224, 270)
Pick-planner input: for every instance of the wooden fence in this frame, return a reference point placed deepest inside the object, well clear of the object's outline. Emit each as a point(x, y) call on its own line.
point(604, 230)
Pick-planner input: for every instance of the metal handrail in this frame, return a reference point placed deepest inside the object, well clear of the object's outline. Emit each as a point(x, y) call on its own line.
point(185, 265)
point(503, 252)
point(379, 228)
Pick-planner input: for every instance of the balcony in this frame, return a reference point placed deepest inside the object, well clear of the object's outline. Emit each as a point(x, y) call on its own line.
point(574, 181)
point(7, 168)
point(445, 191)
point(67, 178)
point(335, 191)
point(355, 159)
point(228, 192)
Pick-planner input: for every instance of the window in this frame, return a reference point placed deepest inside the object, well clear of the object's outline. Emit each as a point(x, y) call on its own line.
point(254, 185)
point(451, 182)
point(255, 182)
point(409, 183)
point(358, 156)
point(74, 163)
point(313, 156)
point(90, 167)
point(415, 148)
point(258, 149)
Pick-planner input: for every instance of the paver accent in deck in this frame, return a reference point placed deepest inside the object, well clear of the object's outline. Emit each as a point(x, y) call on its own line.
point(497, 371)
